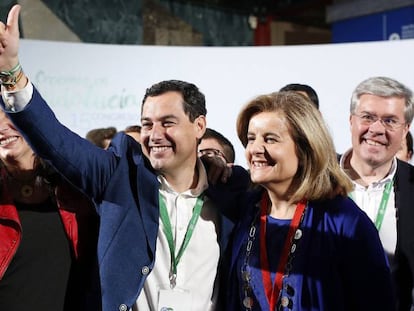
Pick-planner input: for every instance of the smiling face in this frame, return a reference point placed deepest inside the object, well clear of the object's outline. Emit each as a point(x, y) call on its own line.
point(13, 147)
point(373, 144)
point(270, 151)
point(168, 137)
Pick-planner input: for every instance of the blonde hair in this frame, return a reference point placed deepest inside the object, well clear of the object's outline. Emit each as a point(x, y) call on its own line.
point(319, 176)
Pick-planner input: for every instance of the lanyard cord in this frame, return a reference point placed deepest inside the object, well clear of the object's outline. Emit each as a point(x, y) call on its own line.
point(383, 205)
point(169, 235)
point(272, 292)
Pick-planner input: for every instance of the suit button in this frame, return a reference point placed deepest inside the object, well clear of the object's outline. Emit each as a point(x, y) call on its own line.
point(123, 307)
point(145, 270)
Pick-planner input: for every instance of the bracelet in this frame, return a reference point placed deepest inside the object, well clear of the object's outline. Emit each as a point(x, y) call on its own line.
point(11, 72)
point(10, 86)
point(8, 78)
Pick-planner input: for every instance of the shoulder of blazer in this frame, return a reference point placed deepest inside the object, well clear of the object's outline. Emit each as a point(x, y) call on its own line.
point(124, 145)
point(404, 176)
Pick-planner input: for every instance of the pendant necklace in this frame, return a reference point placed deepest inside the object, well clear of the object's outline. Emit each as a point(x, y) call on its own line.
point(26, 191)
point(272, 291)
point(26, 187)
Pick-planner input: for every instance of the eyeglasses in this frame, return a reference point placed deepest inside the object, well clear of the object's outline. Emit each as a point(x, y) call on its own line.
point(389, 123)
point(211, 152)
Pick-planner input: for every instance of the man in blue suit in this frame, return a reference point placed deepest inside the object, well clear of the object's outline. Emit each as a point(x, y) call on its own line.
point(162, 227)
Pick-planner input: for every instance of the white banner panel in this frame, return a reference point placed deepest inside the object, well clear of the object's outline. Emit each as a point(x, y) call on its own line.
point(95, 85)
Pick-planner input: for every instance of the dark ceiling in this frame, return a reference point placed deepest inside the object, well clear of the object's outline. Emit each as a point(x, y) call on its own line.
point(304, 12)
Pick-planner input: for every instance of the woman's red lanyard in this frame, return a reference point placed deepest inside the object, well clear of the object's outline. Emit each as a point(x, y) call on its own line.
point(272, 292)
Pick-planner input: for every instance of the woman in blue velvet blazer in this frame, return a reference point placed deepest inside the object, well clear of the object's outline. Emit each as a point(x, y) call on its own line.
point(302, 244)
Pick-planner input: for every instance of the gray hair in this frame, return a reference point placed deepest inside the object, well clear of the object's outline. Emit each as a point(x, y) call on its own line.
point(385, 87)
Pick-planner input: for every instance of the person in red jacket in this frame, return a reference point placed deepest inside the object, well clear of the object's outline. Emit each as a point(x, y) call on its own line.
point(47, 236)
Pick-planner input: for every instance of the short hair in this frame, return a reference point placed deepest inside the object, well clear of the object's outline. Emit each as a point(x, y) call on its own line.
point(194, 104)
point(296, 87)
point(224, 143)
point(319, 175)
point(133, 128)
point(99, 135)
point(384, 87)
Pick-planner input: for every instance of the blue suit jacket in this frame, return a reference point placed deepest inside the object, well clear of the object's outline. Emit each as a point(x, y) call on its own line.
point(339, 263)
point(124, 188)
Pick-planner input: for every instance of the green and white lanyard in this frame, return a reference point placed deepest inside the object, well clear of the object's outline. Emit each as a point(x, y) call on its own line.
point(383, 204)
point(169, 235)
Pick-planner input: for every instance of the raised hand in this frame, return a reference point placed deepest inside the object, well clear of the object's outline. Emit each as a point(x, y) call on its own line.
point(9, 40)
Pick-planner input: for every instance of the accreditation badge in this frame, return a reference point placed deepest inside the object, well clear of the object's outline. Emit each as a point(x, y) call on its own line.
point(174, 300)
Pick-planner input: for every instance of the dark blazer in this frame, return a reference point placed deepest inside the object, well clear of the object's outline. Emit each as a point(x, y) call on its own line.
point(339, 263)
point(124, 188)
point(402, 263)
point(402, 266)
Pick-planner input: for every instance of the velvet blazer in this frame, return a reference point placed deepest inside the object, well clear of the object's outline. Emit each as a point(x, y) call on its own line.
point(339, 263)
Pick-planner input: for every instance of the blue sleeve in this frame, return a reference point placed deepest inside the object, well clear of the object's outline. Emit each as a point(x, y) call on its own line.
point(229, 196)
point(85, 165)
point(366, 273)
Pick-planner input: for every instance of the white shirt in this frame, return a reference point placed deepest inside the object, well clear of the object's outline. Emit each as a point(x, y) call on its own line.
point(17, 100)
point(369, 199)
point(197, 269)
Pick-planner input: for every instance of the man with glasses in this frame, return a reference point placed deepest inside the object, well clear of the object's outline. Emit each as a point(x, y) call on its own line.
point(214, 143)
point(381, 112)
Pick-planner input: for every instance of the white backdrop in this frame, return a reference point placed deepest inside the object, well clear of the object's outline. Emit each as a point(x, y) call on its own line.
point(94, 85)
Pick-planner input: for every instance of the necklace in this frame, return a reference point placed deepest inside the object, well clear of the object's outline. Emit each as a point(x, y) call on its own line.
point(26, 187)
point(31, 190)
point(285, 262)
point(26, 191)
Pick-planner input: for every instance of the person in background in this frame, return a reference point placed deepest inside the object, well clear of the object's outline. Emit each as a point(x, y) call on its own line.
point(406, 151)
point(48, 233)
point(134, 131)
point(303, 89)
point(215, 143)
point(297, 244)
point(101, 137)
point(163, 227)
point(381, 112)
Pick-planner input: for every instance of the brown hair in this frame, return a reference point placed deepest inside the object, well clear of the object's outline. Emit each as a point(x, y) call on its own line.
point(319, 175)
